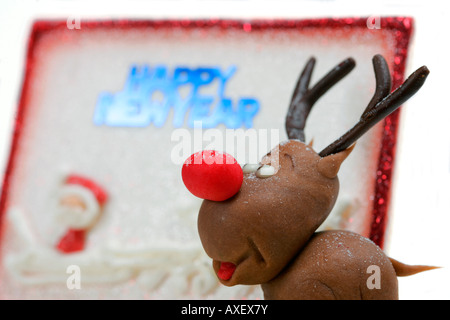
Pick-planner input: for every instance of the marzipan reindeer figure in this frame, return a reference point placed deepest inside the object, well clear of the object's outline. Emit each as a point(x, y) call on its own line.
point(266, 231)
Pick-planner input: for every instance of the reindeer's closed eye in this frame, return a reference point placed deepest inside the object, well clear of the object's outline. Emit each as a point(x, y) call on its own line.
point(290, 159)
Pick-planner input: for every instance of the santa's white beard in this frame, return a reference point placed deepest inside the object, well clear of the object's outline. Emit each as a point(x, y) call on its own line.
point(75, 217)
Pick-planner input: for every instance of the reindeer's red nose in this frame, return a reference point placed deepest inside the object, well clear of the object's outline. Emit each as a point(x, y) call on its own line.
point(212, 175)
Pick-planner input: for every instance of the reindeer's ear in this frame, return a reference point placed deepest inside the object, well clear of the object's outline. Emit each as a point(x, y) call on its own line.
point(329, 166)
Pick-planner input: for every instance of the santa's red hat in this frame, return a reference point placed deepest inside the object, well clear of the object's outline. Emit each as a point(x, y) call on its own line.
point(98, 192)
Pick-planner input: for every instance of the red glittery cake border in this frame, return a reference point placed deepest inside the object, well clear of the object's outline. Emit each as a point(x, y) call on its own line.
point(401, 26)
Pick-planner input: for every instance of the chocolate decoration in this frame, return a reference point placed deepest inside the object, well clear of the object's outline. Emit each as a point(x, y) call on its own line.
point(385, 106)
point(266, 233)
point(303, 98)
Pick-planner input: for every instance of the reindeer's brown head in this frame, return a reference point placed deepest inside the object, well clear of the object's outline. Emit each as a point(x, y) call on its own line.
point(260, 229)
point(253, 235)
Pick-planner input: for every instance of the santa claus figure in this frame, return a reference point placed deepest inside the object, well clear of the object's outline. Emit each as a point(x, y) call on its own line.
point(80, 204)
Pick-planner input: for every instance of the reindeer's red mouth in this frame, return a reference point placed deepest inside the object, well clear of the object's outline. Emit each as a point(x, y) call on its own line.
point(226, 270)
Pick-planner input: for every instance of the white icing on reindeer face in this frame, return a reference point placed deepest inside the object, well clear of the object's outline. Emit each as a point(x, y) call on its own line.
point(260, 170)
point(250, 167)
point(265, 171)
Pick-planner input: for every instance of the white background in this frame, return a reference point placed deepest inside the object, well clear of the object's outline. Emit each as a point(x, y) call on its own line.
point(420, 208)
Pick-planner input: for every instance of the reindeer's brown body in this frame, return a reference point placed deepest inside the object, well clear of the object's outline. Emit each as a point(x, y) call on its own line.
point(336, 265)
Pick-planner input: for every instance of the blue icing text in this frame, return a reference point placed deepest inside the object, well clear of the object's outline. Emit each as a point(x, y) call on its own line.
point(150, 94)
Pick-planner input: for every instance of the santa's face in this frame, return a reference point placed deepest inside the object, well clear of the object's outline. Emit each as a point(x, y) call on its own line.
point(77, 208)
point(73, 201)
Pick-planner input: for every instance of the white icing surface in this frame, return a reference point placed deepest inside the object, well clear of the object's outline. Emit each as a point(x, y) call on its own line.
point(182, 266)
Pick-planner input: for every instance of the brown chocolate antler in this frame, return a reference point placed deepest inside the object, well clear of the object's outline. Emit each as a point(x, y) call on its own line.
point(381, 105)
point(304, 98)
point(383, 81)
